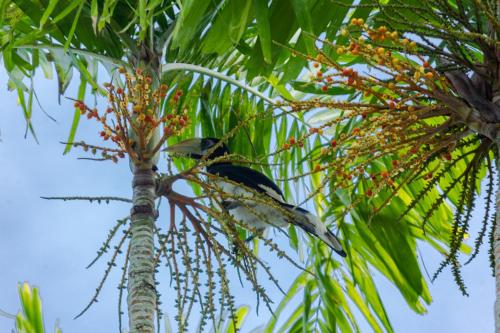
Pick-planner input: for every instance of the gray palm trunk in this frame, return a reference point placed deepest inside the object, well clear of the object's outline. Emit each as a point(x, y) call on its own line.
point(141, 297)
point(497, 246)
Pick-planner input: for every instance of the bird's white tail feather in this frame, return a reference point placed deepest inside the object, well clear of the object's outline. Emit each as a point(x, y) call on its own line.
point(313, 225)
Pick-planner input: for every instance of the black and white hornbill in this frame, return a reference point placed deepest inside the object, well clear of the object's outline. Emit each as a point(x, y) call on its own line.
point(251, 212)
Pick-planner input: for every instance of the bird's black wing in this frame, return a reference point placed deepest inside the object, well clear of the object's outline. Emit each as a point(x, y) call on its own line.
point(248, 177)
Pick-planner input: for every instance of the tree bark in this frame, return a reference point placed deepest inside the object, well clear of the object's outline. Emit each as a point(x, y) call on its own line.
point(141, 297)
point(497, 244)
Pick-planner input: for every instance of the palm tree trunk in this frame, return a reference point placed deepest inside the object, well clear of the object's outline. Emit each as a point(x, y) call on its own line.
point(141, 297)
point(497, 246)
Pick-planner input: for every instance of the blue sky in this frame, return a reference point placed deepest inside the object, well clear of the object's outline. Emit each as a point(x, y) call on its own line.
point(49, 243)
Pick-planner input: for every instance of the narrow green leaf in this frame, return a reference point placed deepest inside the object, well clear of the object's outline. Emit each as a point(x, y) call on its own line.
point(228, 27)
point(360, 303)
point(263, 28)
point(240, 315)
point(27, 112)
point(46, 14)
point(73, 27)
point(191, 15)
point(292, 291)
point(302, 10)
point(67, 10)
point(94, 14)
point(76, 116)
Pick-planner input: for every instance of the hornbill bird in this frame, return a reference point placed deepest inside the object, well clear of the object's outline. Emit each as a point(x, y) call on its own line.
point(240, 204)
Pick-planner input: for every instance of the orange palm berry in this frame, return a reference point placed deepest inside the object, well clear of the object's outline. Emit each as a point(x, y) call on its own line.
point(333, 143)
point(347, 71)
point(317, 168)
point(395, 163)
point(316, 65)
point(286, 146)
point(426, 64)
point(292, 140)
point(369, 192)
point(429, 75)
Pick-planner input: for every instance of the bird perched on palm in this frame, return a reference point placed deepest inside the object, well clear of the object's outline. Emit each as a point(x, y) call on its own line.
point(243, 185)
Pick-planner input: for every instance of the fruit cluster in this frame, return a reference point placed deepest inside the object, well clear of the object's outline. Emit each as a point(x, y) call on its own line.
point(391, 117)
point(133, 115)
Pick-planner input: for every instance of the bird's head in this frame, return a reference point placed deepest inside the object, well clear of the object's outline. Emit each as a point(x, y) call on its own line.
point(199, 147)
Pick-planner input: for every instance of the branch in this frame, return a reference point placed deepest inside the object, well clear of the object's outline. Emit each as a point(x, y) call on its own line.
point(91, 199)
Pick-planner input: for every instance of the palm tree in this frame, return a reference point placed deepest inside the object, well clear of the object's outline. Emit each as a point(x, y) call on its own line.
point(169, 41)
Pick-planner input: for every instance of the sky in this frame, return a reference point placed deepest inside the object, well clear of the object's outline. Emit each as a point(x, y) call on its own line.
point(49, 243)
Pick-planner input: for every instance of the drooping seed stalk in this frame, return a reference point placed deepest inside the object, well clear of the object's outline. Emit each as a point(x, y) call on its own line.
point(141, 297)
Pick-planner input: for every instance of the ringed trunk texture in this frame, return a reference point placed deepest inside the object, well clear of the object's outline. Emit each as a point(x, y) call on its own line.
point(141, 297)
point(497, 246)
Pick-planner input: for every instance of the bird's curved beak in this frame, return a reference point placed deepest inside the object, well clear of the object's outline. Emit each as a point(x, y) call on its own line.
point(188, 147)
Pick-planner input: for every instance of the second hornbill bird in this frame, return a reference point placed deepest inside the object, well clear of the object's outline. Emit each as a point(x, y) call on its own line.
point(250, 212)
